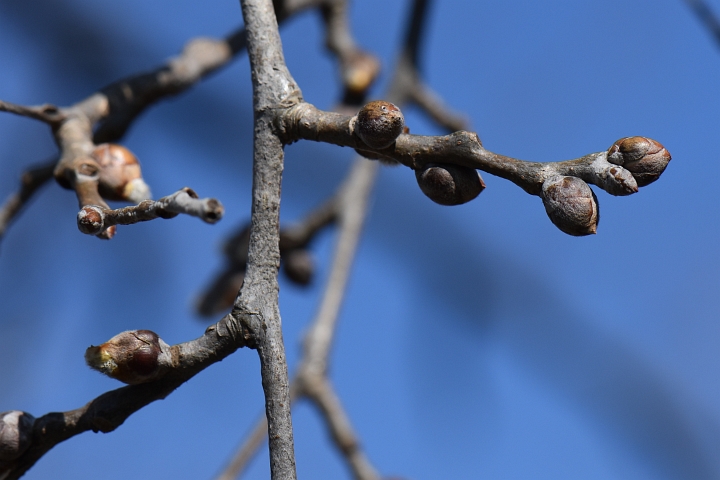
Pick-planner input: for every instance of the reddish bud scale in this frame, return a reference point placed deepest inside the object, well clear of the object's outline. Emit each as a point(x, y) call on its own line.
point(449, 184)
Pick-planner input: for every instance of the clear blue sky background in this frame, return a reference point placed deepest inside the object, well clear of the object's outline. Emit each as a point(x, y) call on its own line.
point(476, 341)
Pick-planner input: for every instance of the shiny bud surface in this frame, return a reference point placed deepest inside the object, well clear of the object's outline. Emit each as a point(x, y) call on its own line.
point(645, 158)
point(135, 356)
point(120, 175)
point(571, 205)
point(449, 184)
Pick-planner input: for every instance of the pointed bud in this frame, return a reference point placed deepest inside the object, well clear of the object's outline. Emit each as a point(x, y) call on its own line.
point(379, 123)
point(135, 356)
point(449, 184)
point(571, 205)
point(120, 175)
point(645, 158)
point(15, 434)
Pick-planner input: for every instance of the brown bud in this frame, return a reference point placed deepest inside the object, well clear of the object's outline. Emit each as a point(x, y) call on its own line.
point(571, 205)
point(449, 184)
point(15, 434)
point(299, 266)
point(120, 175)
point(379, 123)
point(360, 71)
point(135, 356)
point(645, 158)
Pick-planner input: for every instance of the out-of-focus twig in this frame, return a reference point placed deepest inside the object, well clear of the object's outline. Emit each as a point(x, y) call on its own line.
point(707, 17)
point(30, 182)
point(219, 295)
point(407, 86)
point(310, 381)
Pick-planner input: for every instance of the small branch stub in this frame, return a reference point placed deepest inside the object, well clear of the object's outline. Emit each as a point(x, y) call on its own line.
point(15, 434)
point(379, 123)
point(135, 356)
point(645, 158)
point(571, 205)
point(449, 184)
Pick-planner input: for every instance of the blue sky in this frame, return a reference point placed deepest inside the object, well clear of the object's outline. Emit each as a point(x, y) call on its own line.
point(475, 341)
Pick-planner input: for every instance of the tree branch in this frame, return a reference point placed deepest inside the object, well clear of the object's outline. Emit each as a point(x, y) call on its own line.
point(111, 409)
point(257, 304)
point(30, 182)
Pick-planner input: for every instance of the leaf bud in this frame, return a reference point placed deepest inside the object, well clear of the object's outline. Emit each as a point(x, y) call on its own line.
point(379, 123)
point(571, 205)
point(645, 158)
point(360, 71)
point(15, 434)
point(120, 175)
point(299, 266)
point(135, 356)
point(449, 184)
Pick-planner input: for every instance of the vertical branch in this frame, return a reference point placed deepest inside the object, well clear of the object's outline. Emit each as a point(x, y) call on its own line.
point(256, 307)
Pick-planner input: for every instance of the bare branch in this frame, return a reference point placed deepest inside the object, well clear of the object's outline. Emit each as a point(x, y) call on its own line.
point(352, 203)
point(257, 303)
point(220, 294)
point(49, 114)
point(407, 86)
point(110, 410)
point(93, 219)
point(30, 182)
point(465, 149)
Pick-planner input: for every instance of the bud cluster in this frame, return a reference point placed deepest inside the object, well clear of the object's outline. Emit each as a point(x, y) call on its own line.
point(645, 158)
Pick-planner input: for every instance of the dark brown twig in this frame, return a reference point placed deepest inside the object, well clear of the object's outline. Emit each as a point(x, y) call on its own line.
point(30, 182)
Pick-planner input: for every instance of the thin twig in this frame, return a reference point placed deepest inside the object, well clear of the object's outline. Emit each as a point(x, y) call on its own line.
point(30, 182)
point(707, 17)
point(93, 219)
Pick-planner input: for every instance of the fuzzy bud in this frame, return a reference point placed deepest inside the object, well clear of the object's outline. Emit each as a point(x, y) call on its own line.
point(135, 356)
point(299, 266)
point(15, 434)
point(360, 72)
point(449, 184)
point(645, 158)
point(571, 205)
point(379, 123)
point(120, 175)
